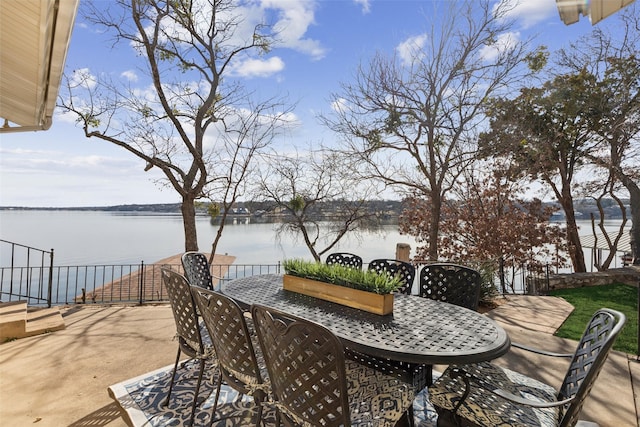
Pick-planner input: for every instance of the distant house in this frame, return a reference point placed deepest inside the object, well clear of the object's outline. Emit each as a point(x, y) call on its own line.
point(242, 211)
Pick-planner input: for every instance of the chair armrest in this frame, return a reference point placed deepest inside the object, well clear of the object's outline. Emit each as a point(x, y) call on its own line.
point(538, 351)
point(467, 378)
point(528, 402)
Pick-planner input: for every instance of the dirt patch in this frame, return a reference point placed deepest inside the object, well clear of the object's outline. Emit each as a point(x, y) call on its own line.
point(487, 306)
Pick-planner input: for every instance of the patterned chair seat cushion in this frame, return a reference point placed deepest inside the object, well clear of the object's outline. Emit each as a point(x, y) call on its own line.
point(483, 408)
point(375, 399)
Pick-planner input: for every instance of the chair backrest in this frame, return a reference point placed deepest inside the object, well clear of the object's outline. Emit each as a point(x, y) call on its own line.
point(344, 258)
point(590, 355)
point(197, 269)
point(306, 367)
point(452, 283)
point(231, 339)
point(396, 268)
point(184, 312)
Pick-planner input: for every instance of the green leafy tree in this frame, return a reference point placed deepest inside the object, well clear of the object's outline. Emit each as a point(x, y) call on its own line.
point(546, 133)
point(585, 117)
point(613, 58)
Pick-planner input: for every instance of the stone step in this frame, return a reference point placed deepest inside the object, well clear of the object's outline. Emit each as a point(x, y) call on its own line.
point(44, 320)
point(13, 319)
point(19, 321)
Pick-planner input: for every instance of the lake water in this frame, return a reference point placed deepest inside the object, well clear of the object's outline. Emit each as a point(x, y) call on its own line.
point(85, 238)
point(94, 237)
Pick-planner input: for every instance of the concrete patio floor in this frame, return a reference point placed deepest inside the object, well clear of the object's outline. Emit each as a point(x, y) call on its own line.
point(61, 378)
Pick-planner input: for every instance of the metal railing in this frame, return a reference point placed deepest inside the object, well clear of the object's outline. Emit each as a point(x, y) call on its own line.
point(102, 284)
point(523, 279)
point(141, 283)
point(33, 279)
point(31, 276)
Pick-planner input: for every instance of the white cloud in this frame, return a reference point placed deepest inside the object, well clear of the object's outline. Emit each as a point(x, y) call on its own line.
point(46, 162)
point(504, 43)
point(65, 116)
point(259, 67)
point(130, 75)
point(412, 48)
point(53, 178)
point(22, 151)
point(293, 20)
point(531, 12)
point(366, 5)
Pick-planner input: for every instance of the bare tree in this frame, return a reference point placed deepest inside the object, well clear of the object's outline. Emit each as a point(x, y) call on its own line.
point(319, 197)
point(411, 120)
point(602, 188)
point(200, 130)
point(242, 144)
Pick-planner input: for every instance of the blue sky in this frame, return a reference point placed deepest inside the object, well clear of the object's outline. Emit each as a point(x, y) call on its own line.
point(324, 40)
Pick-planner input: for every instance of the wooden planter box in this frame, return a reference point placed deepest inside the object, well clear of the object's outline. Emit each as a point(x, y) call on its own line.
point(355, 298)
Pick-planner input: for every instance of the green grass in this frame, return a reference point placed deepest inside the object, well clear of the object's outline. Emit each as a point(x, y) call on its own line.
point(588, 300)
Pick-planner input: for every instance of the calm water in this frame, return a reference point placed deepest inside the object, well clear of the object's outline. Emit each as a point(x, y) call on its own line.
point(80, 238)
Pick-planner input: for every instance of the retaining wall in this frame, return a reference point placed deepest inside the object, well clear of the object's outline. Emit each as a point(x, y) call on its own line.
point(626, 275)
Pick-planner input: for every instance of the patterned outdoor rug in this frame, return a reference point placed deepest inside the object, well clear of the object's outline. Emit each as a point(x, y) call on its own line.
point(142, 401)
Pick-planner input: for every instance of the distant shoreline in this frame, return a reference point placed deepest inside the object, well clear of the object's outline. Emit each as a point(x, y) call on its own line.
point(160, 207)
point(392, 208)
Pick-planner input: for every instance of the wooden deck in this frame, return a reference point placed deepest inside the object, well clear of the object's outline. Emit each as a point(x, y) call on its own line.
point(128, 287)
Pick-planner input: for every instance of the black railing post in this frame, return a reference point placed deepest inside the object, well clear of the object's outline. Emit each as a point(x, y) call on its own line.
point(501, 273)
point(141, 280)
point(638, 342)
point(50, 284)
point(13, 252)
point(547, 277)
point(28, 270)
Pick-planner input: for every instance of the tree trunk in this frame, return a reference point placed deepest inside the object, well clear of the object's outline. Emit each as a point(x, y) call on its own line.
point(634, 202)
point(189, 223)
point(434, 226)
point(573, 236)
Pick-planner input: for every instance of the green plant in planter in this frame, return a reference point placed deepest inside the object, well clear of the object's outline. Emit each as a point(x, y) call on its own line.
point(364, 280)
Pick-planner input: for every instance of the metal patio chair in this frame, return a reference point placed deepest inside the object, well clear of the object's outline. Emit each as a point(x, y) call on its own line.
point(313, 384)
point(487, 395)
point(344, 258)
point(396, 268)
point(192, 340)
point(197, 270)
point(240, 362)
point(452, 283)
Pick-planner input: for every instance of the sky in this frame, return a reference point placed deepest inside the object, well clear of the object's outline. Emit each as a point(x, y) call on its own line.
point(323, 42)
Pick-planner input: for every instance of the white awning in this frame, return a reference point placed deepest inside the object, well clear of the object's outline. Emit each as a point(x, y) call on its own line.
point(590, 241)
point(34, 39)
point(596, 10)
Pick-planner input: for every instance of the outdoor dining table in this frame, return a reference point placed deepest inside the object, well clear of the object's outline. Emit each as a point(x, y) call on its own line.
point(420, 330)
